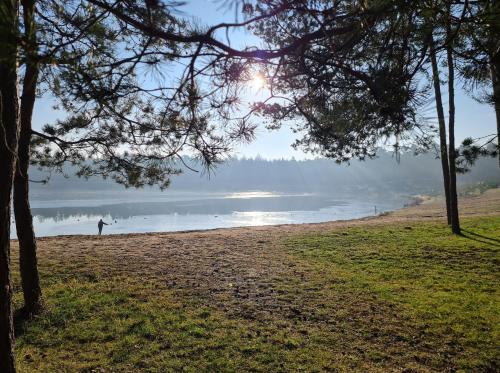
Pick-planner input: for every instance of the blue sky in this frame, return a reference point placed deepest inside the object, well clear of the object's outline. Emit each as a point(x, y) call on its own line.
point(473, 119)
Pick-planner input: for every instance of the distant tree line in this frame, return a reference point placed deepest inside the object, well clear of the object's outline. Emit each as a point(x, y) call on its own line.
point(386, 174)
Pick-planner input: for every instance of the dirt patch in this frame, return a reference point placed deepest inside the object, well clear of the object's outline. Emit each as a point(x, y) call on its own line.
point(236, 268)
point(247, 274)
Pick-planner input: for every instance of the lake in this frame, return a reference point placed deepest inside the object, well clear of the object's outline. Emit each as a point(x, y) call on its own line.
point(65, 213)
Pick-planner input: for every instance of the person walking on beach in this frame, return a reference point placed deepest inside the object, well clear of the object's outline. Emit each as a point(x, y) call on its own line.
point(100, 225)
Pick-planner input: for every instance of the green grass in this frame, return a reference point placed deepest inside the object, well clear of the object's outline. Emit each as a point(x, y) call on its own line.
point(448, 285)
point(379, 298)
point(119, 325)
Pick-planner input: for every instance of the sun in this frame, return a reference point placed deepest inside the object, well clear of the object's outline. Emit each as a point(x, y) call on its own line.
point(257, 81)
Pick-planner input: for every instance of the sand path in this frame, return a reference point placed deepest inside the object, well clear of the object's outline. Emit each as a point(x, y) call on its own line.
point(236, 268)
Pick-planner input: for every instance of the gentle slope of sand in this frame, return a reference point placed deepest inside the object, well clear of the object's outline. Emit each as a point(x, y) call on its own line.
point(250, 277)
point(211, 260)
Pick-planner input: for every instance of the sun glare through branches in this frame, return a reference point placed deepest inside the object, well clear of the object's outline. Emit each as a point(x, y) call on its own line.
point(258, 81)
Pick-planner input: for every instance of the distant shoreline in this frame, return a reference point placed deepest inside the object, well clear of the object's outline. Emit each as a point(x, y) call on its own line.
point(413, 202)
point(423, 208)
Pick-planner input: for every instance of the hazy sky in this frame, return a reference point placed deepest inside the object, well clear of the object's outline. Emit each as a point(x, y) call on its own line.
point(472, 119)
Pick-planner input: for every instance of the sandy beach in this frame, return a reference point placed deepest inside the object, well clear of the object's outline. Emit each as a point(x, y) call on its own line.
point(213, 263)
point(335, 296)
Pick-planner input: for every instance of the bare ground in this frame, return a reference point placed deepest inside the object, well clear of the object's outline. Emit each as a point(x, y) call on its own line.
point(247, 274)
point(235, 264)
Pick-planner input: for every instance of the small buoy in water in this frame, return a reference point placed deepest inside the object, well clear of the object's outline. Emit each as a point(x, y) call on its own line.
point(216, 216)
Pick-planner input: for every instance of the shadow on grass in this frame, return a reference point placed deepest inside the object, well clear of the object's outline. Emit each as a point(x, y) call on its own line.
point(22, 317)
point(480, 238)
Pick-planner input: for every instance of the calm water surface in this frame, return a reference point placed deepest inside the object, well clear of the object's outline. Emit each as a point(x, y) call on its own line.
point(136, 212)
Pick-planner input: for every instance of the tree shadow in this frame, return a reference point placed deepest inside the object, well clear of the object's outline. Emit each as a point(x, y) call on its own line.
point(480, 238)
point(21, 318)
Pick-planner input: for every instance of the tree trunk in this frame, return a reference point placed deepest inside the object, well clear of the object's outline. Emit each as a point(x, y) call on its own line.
point(442, 129)
point(495, 80)
point(24, 220)
point(9, 131)
point(455, 220)
point(492, 28)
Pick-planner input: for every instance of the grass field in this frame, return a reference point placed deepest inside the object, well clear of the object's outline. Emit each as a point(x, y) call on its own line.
point(383, 297)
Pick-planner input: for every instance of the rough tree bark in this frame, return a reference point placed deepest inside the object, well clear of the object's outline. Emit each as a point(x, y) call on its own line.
point(442, 128)
point(9, 130)
point(455, 222)
point(24, 220)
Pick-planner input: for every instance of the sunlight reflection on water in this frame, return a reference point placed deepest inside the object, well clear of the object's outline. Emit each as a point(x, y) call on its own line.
point(232, 210)
point(259, 194)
